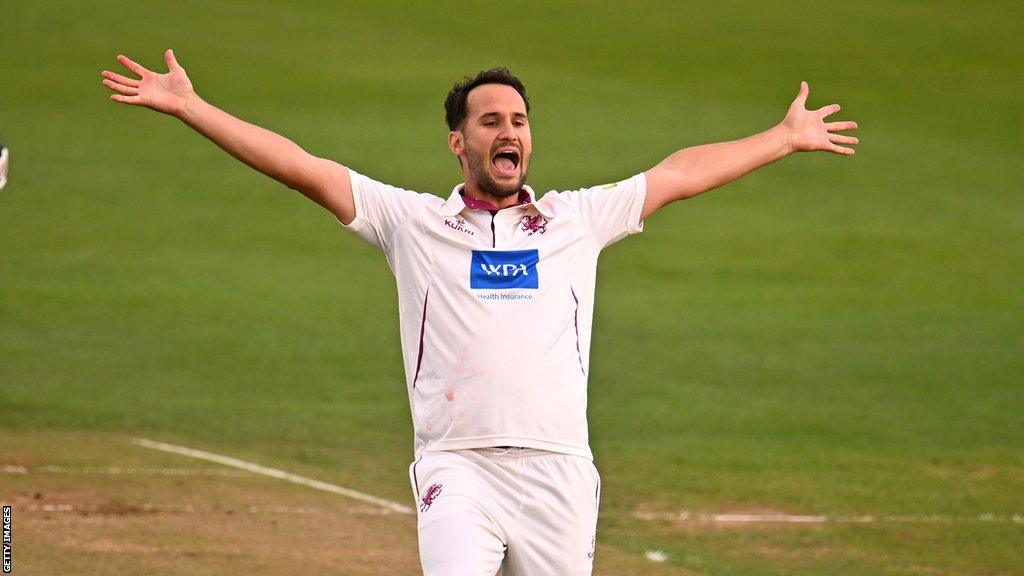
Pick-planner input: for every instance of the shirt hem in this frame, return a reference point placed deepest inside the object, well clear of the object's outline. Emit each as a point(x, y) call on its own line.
point(496, 441)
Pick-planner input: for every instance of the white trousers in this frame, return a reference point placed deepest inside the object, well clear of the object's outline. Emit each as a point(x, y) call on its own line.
point(520, 511)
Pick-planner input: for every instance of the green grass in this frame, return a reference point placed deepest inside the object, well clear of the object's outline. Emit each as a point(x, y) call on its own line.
point(827, 336)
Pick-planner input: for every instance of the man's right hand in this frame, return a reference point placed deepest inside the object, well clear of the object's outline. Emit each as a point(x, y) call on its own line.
point(169, 93)
point(323, 181)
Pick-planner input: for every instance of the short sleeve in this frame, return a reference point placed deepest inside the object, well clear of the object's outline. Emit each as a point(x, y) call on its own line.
point(380, 209)
point(611, 211)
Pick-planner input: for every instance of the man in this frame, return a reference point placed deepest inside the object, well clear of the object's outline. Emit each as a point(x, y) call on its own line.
point(496, 292)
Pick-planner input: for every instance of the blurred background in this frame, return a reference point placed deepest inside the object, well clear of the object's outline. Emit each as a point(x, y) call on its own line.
point(830, 336)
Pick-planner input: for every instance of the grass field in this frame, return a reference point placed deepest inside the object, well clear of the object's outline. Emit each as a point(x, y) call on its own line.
point(829, 336)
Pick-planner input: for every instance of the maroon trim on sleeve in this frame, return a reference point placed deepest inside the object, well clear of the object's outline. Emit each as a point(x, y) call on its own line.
point(576, 324)
point(423, 325)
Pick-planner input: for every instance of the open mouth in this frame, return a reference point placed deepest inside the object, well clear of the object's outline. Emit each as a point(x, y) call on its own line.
point(506, 161)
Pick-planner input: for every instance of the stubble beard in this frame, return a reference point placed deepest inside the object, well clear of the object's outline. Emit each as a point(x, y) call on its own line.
point(478, 168)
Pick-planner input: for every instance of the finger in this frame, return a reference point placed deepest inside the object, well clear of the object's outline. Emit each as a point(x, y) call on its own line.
point(841, 139)
point(120, 79)
point(837, 126)
point(172, 62)
point(841, 150)
point(133, 100)
point(801, 96)
point(123, 89)
point(132, 65)
point(828, 110)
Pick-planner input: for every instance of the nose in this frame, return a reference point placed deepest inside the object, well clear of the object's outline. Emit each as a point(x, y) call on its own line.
point(508, 132)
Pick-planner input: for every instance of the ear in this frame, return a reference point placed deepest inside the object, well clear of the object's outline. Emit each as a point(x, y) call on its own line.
point(456, 143)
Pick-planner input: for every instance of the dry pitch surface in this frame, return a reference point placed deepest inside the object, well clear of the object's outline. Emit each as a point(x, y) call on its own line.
point(93, 503)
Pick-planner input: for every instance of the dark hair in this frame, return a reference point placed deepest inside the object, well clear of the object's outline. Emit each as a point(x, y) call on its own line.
point(455, 103)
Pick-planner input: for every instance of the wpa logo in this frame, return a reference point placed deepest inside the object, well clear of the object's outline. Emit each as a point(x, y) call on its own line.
point(491, 269)
point(505, 269)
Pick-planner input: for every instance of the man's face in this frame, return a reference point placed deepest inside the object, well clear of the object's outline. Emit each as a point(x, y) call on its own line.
point(494, 143)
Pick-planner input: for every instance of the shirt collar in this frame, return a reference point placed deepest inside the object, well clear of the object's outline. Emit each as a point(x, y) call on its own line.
point(456, 203)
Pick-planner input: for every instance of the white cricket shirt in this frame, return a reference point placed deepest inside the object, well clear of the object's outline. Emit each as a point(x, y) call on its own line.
point(496, 307)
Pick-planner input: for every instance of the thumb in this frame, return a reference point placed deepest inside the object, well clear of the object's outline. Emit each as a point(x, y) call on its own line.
point(172, 63)
point(801, 97)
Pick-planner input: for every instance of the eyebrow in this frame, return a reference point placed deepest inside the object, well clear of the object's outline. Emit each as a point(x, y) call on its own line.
point(514, 115)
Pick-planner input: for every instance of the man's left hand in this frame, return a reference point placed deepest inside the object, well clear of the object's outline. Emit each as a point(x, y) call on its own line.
point(808, 130)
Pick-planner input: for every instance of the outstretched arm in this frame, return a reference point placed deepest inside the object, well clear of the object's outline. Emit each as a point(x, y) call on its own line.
point(692, 171)
point(323, 181)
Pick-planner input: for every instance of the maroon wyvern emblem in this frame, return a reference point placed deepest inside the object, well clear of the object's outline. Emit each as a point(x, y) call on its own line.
point(532, 224)
point(428, 497)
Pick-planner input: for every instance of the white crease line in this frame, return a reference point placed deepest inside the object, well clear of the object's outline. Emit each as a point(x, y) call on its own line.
point(274, 473)
point(116, 470)
point(285, 509)
point(368, 511)
point(138, 508)
point(161, 508)
point(687, 516)
point(793, 519)
point(110, 509)
point(53, 507)
point(12, 470)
